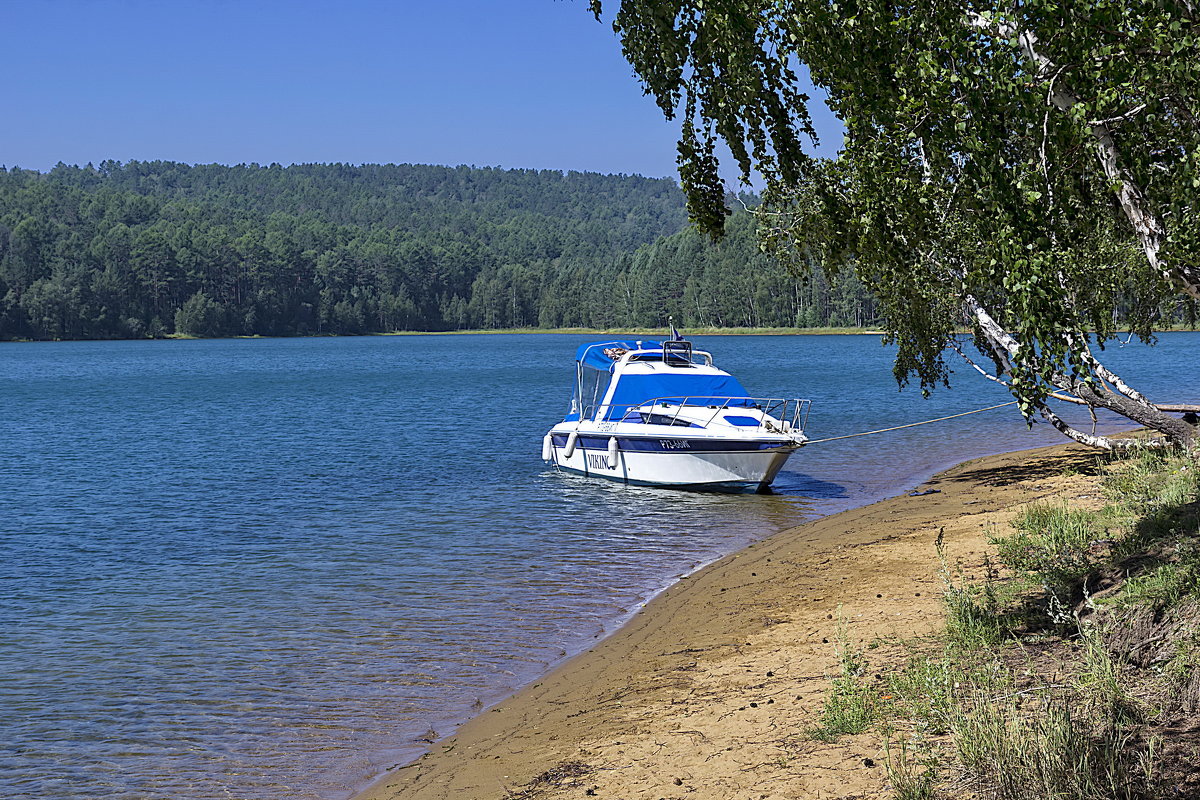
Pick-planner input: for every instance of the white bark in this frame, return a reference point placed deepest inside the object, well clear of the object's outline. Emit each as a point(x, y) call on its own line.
point(1150, 231)
point(1009, 348)
point(1140, 410)
point(1104, 373)
point(1091, 439)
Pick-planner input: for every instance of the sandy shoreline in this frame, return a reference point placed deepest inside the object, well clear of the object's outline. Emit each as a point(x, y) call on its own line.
point(707, 691)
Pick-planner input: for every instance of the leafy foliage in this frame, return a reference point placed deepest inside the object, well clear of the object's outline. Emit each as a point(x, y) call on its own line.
point(1018, 167)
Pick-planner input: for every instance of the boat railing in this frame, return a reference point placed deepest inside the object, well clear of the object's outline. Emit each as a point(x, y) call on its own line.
point(791, 413)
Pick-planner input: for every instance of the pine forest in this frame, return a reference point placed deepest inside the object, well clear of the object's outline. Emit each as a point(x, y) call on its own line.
point(152, 249)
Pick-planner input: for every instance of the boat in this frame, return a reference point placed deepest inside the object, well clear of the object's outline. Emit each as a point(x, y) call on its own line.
point(660, 414)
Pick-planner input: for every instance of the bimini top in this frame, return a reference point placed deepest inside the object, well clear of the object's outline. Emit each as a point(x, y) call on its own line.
point(603, 355)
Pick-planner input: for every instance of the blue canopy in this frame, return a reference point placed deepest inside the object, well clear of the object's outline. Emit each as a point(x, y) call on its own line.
point(700, 390)
point(602, 355)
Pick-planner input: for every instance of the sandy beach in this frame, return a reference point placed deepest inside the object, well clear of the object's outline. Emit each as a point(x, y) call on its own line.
point(708, 691)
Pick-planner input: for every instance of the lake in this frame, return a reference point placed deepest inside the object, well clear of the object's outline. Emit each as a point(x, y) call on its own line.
point(272, 567)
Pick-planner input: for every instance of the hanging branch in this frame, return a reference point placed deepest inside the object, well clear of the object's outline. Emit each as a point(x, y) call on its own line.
point(1147, 226)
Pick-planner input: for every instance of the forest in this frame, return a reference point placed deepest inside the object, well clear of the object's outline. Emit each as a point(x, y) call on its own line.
point(152, 249)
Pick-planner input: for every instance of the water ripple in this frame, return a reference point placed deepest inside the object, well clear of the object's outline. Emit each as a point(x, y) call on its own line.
point(267, 568)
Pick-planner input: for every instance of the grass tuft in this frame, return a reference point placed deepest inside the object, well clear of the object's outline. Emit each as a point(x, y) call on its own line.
point(924, 692)
point(1055, 544)
point(974, 616)
point(852, 706)
point(910, 780)
point(1048, 755)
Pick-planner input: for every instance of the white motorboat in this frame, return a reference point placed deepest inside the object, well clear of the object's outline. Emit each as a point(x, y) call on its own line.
point(660, 413)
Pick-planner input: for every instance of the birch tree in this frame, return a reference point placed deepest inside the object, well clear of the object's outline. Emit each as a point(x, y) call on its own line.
point(1013, 167)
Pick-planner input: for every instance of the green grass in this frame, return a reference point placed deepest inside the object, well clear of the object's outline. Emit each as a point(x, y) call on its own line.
point(1159, 587)
point(1152, 480)
point(1181, 668)
point(1100, 686)
point(975, 615)
point(1083, 737)
point(1053, 543)
point(1048, 753)
point(852, 706)
point(911, 779)
point(1026, 698)
point(924, 692)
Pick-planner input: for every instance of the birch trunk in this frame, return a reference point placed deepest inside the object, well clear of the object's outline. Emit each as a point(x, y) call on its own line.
point(1146, 224)
point(1131, 405)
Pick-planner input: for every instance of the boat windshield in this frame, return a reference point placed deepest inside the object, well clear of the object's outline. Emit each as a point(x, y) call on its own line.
point(592, 385)
point(677, 388)
point(594, 364)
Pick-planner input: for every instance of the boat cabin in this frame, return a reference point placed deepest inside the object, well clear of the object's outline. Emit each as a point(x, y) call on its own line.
point(627, 381)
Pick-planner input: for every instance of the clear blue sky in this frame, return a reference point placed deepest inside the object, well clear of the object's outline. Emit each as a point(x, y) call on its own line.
point(511, 83)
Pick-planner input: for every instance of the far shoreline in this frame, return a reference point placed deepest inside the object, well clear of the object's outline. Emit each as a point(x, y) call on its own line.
point(657, 333)
point(652, 333)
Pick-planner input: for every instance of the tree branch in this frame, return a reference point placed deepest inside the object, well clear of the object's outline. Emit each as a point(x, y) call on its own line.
point(1129, 403)
point(1092, 440)
point(1130, 114)
point(1104, 373)
point(1150, 231)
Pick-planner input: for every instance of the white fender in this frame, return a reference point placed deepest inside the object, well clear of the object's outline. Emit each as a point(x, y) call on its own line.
point(569, 450)
point(613, 450)
point(547, 447)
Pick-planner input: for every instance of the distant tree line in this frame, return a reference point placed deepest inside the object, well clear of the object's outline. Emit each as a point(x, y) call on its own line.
point(731, 284)
point(147, 249)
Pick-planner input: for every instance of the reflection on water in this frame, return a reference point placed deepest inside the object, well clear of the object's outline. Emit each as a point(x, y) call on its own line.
point(802, 485)
point(269, 568)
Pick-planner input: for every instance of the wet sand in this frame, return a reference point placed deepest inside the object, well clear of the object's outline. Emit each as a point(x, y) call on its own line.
point(707, 692)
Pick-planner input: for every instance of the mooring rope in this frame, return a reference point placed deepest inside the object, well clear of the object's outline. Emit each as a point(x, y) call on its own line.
point(911, 424)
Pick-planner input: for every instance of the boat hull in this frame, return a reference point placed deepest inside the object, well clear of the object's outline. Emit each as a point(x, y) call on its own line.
point(725, 464)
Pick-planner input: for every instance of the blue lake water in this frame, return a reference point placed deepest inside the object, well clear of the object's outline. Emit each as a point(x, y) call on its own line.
point(267, 568)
